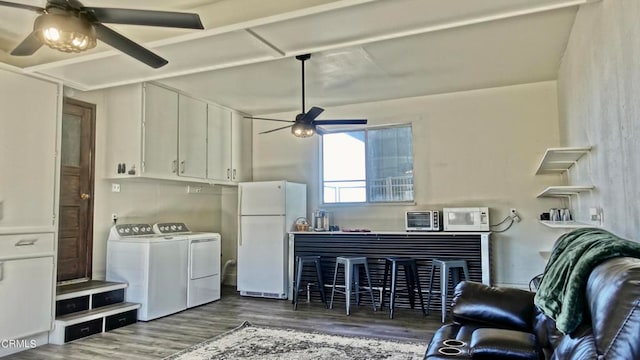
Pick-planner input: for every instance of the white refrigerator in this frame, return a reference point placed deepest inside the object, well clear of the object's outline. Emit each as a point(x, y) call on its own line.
point(267, 211)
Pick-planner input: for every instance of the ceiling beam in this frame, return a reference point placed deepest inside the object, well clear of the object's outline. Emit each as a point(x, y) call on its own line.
point(444, 26)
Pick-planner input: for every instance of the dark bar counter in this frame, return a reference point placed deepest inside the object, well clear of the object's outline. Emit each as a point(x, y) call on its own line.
point(474, 247)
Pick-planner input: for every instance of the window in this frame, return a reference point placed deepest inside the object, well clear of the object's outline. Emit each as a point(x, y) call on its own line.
point(373, 165)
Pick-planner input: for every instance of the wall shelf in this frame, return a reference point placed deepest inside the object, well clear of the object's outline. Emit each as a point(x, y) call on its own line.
point(565, 224)
point(557, 160)
point(564, 191)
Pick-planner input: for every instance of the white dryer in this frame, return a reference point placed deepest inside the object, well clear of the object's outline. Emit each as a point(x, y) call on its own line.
point(203, 282)
point(154, 266)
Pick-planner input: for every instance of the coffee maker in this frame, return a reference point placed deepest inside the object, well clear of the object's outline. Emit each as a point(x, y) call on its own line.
point(320, 220)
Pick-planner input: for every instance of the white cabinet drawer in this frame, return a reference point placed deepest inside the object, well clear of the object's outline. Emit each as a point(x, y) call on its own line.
point(25, 244)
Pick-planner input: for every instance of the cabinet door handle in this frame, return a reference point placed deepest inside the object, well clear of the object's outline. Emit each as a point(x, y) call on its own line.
point(182, 167)
point(174, 166)
point(26, 242)
point(234, 174)
point(1, 270)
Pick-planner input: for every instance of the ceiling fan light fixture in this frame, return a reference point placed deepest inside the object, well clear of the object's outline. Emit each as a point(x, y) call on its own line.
point(65, 32)
point(302, 130)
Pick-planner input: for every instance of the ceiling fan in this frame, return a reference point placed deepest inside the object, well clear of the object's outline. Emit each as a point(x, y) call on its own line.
point(69, 26)
point(305, 124)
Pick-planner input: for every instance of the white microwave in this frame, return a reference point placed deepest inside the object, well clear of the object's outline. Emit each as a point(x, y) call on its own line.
point(428, 220)
point(466, 219)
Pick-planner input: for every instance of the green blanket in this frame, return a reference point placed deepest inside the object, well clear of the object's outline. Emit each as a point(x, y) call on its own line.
point(561, 294)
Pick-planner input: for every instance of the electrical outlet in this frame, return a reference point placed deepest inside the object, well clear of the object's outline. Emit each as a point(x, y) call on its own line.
point(514, 215)
point(115, 187)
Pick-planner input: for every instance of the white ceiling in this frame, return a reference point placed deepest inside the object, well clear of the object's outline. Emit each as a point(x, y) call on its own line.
point(363, 50)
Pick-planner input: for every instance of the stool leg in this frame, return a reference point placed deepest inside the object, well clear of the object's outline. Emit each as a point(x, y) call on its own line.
point(455, 274)
point(417, 282)
point(296, 289)
point(333, 288)
point(409, 280)
point(356, 281)
point(373, 300)
point(444, 279)
point(384, 283)
point(433, 270)
point(348, 279)
point(321, 282)
point(392, 297)
point(466, 271)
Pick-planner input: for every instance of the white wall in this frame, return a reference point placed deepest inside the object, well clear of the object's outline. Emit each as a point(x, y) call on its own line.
point(599, 88)
point(146, 201)
point(470, 148)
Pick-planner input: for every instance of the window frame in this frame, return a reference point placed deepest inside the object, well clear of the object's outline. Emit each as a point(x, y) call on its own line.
point(366, 130)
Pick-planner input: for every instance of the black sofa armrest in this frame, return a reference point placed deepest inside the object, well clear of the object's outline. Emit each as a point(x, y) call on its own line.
point(501, 307)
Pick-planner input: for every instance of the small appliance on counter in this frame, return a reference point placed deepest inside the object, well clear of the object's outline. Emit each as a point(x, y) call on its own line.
point(320, 220)
point(427, 220)
point(466, 219)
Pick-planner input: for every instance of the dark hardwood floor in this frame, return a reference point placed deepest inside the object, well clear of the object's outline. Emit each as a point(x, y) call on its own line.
point(162, 337)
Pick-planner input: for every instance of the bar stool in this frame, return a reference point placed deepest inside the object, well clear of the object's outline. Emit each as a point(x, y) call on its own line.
point(412, 279)
point(453, 265)
point(300, 262)
point(351, 265)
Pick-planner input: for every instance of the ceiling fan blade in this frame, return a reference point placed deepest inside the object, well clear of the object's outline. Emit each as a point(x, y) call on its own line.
point(128, 47)
point(146, 17)
point(341, 122)
point(22, 6)
point(28, 46)
point(313, 113)
point(272, 130)
point(268, 119)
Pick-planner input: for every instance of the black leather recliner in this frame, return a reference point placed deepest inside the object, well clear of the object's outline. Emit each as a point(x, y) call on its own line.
point(503, 323)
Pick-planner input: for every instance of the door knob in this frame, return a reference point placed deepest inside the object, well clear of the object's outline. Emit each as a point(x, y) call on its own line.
point(84, 196)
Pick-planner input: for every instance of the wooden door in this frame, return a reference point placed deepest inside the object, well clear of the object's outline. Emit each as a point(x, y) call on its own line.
point(75, 227)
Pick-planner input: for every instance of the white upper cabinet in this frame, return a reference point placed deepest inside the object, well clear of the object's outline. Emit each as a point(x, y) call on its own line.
point(219, 143)
point(124, 129)
point(160, 133)
point(192, 137)
point(28, 118)
point(160, 127)
point(241, 151)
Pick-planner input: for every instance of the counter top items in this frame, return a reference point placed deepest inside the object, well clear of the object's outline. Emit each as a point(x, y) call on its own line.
point(320, 220)
point(302, 224)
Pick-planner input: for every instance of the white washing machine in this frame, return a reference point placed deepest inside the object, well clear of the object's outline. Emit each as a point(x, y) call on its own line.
point(203, 281)
point(154, 266)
